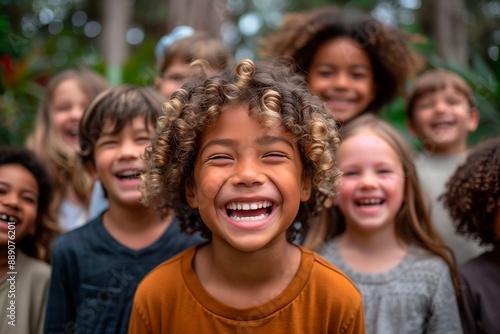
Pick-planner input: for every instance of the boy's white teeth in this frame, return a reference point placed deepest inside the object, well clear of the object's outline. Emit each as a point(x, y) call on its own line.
point(129, 173)
point(8, 219)
point(248, 206)
point(259, 217)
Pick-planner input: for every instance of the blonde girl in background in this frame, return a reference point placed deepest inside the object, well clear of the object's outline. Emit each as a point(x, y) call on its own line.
point(55, 140)
point(378, 232)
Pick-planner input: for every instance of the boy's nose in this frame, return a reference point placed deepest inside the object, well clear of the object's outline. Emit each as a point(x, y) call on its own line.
point(248, 174)
point(128, 151)
point(441, 106)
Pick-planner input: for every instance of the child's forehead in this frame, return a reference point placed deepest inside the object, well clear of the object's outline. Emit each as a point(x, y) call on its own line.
point(232, 114)
point(17, 173)
point(446, 87)
point(114, 123)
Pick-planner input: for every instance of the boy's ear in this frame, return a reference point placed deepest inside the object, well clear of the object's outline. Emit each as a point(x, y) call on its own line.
point(158, 82)
point(90, 168)
point(306, 188)
point(191, 195)
point(473, 121)
point(411, 127)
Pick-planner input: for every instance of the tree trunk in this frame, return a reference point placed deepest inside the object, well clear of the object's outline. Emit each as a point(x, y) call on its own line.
point(206, 15)
point(449, 29)
point(116, 18)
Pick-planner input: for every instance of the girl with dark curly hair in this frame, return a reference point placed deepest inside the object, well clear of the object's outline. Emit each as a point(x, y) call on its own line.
point(472, 198)
point(355, 63)
point(245, 157)
point(27, 230)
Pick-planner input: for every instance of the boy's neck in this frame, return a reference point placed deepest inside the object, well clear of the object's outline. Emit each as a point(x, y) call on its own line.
point(254, 278)
point(446, 152)
point(135, 227)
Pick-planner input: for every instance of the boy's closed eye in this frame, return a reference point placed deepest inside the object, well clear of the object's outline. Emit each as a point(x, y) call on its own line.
point(106, 142)
point(425, 103)
point(275, 157)
point(218, 157)
point(453, 101)
point(144, 138)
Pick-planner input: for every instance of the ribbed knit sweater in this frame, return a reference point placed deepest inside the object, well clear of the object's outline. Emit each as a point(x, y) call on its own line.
point(416, 296)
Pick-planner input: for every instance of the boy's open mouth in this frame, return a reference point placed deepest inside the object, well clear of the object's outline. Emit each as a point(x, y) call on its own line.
point(442, 124)
point(129, 174)
point(240, 211)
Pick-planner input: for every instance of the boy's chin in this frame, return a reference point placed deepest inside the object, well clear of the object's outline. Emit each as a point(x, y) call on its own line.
point(130, 200)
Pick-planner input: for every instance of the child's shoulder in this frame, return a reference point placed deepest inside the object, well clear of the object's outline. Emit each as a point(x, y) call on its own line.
point(488, 259)
point(32, 267)
point(428, 266)
point(324, 274)
point(170, 272)
point(75, 238)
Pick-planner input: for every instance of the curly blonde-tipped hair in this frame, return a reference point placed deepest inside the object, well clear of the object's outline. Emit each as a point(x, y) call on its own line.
point(276, 97)
point(302, 34)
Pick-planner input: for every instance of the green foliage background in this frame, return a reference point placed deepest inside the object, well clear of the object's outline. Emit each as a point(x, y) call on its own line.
point(26, 62)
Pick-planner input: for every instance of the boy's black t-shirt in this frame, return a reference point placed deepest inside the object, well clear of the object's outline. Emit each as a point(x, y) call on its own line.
point(94, 277)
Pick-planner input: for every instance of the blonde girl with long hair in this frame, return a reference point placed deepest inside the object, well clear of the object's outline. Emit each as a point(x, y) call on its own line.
point(378, 232)
point(55, 140)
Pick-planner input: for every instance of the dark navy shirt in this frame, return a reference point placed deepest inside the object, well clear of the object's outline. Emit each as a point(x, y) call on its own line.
point(94, 277)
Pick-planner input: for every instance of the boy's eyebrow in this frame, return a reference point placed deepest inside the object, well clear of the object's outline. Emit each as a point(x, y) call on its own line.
point(114, 132)
point(363, 66)
point(221, 142)
point(263, 140)
point(267, 139)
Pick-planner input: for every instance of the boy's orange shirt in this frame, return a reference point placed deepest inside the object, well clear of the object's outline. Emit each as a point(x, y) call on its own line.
point(320, 299)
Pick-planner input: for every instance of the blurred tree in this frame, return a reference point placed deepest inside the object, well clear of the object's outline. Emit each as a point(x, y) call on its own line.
point(116, 18)
point(39, 38)
point(446, 23)
point(205, 15)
